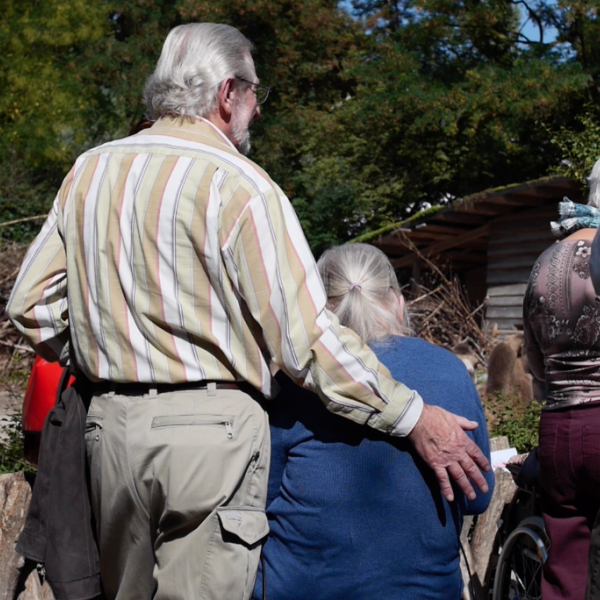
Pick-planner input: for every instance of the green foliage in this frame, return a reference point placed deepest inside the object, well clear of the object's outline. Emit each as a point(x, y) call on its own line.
point(404, 139)
point(404, 104)
point(579, 147)
point(22, 195)
point(446, 103)
point(12, 458)
point(41, 106)
point(507, 417)
point(114, 67)
point(302, 49)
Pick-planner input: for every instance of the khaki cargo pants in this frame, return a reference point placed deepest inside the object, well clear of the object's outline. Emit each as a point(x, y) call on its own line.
point(179, 485)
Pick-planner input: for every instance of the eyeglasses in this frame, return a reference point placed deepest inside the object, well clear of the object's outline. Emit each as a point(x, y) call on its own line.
point(260, 91)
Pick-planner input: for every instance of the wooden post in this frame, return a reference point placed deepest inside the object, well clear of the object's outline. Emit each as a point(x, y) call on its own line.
point(483, 536)
point(464, 571)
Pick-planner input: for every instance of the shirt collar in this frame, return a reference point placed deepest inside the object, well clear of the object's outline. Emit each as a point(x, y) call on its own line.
point(227, 140)
point(199, 125)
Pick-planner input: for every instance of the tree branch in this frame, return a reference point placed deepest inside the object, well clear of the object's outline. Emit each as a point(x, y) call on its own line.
point(534, 17)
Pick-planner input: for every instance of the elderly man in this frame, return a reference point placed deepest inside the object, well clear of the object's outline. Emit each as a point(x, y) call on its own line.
point(176, 271)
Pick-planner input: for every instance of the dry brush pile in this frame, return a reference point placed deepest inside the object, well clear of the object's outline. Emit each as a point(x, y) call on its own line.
point(442, 314)
point(16, 357)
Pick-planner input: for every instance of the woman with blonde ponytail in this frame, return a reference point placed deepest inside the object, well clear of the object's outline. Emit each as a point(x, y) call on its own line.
point(354, 514)
point(363, 291)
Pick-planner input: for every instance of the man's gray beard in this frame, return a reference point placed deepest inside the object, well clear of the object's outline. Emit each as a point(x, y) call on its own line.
point(244, 143)
point(241, 134)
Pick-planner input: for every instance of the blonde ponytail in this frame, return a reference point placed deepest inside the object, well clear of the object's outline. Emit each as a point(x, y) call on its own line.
point(363, 290)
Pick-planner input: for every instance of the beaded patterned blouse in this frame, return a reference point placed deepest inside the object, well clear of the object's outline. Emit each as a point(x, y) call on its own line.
point(561, 315)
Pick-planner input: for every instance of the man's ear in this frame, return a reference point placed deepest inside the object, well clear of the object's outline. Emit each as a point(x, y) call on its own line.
point(226, 97)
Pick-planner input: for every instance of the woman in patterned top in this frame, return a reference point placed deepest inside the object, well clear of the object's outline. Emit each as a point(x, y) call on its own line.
point(561, 317)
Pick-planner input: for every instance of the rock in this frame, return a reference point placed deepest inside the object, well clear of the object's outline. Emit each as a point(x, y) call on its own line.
point(47, 592)
point(34, 590)
point(499, 443)
point(15, 495)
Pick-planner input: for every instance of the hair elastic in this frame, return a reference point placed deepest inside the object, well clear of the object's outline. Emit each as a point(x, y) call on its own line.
point(355, 286)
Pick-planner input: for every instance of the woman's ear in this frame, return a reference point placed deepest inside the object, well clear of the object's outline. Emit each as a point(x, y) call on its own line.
point(398, 305)
point(401, 306)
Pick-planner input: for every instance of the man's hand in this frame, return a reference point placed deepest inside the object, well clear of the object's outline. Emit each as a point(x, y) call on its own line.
point(439, 438)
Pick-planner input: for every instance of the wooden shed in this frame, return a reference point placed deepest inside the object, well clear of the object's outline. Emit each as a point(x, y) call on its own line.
point(490, 239)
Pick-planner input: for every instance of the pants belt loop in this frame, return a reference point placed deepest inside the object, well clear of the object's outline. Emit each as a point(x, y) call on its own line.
point(211, 388)
point(152, 390)
point(113, 389)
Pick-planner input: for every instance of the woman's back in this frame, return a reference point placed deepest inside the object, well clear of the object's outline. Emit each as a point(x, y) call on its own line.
point(562, 324)
point(354, 515)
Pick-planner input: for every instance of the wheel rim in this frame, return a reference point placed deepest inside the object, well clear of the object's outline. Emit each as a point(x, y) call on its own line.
point(519, 571)
point(526, 570)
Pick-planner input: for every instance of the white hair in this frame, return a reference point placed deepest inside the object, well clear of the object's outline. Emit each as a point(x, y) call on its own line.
point(594, 182)
point(195, 59)
point(360, 284)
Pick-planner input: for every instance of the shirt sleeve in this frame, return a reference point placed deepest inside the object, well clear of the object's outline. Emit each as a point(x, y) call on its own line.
point(535, 356)
point(271, 266)
point(38, 303)
point(595, 264)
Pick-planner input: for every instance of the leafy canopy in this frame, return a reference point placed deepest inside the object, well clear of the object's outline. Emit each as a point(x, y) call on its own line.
point(373, 114)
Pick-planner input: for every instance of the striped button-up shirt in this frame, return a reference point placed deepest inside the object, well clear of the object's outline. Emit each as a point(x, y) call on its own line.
point(169, 257)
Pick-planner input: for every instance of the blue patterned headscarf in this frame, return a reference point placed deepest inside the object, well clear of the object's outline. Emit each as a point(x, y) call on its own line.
point(573, 217)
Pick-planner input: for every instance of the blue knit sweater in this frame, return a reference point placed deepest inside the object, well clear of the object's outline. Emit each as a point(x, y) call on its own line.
point(355, 515)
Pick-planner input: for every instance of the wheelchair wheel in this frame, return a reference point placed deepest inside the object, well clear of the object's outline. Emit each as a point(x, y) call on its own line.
point(519, 571)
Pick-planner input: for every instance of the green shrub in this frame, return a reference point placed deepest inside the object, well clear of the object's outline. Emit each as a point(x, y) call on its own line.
point(12, 458)
point(580, 147)
point(24, 195)
point(507, 417)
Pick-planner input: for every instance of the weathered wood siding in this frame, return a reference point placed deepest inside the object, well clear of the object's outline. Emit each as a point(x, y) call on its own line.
point(514, 245)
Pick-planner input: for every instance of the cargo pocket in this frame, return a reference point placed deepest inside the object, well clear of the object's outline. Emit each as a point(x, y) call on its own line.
point(94, 426)
point(93, 432)
point(235, 551)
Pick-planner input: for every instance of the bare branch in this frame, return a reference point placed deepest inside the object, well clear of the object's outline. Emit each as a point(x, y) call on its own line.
point(23, 220)
point(534, 17)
